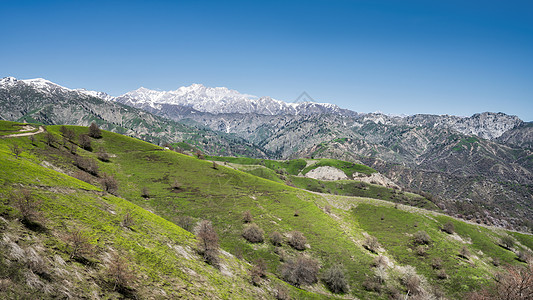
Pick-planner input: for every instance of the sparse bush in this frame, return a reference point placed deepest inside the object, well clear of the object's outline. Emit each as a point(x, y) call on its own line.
point(73, 148)
point(186, 222)
point(380, 261)
point(297, 240)
point(207, 242)
point(282, 293)
point(296, 213)
point(79, 246)
point(214, 166)
point(372, 284)
point(448, 228)
point(335, 279)
point(103, 156)
point(120, 273)
point(515, 283)
point(258, 271)
point(436, 263)
point(85, 142)
point(464, 252)
point(15, 149)
point(145, 192)
point(247, 217)
point(176, 185)
point(441, 274)
point(28, 206)
point(49, 139)
point(32, 139)
point(127, 220)
point(253, 234)
point(523, 256)
point(496, 261)
point(327, 209)
point(411, 281)
point(109, 184)
point(276, 238)
point(421, 238)
point(300, 270)
point(507, 242)
point(83, 176)
point(94, 131)
point(371, 244)
point(420, 250)
point(199, 154)
point(86, 164)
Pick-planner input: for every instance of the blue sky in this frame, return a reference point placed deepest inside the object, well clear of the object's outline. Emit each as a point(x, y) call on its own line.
point(400, 57)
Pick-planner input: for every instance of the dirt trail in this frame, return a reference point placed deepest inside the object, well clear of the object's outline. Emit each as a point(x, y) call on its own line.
point(41, 129)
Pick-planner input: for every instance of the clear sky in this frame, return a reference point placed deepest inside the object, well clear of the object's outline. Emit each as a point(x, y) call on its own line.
point(400, 57)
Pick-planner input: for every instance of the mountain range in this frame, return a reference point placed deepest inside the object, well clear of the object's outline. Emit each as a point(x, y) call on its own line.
point(478, 167)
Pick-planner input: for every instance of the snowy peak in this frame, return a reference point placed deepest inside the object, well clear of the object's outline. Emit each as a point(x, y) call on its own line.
point(218, 100)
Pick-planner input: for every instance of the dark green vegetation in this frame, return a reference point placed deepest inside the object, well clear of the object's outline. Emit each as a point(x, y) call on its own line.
point(159, 189)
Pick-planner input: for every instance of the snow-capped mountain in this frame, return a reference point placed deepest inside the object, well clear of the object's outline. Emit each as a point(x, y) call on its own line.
point(220, 100)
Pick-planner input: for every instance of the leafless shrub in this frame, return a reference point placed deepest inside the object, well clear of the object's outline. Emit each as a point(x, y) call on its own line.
point(258, 271)
point(421, 238)
point(247, 217)
point(464, 252)
point(297, 240)
point(186, 222)
point(103, 156)
point(411, 281)
point(94, 131)
point(524, 256)
point(335, 279)
point(371, 244)
point(176, 185)
point(49, 139)
point(253, 234)
point(436, 263)
point(448, 228)
point(282, 293)
point(83, 176)
point(79, 245)
point(109, 184)
point(507, 242)
point(32, 139)
point(28, 206)
point(86, 164)
point(420, 250)
point(199, 154)
point(327, 209)
point(120, 273)
point(496, 261)
point(15, 149)
point(85, 142)
point(441, 274)
point(300, 270)
point(145, 192)
point(207, 242)
point(296, 213)
point(214, 166)
point(372, 284)
point(380, 261)
point(515, 282)
point(73, 148)
point(276, 238)
point(127, 220)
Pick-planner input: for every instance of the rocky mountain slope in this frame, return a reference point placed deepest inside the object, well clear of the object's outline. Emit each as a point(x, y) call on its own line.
point(39, 100)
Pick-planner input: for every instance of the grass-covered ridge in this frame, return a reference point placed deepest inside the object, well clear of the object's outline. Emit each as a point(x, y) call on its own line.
point(347, 167)
point(182, 190)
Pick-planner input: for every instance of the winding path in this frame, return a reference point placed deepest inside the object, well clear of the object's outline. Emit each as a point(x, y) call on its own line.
point(41, 129)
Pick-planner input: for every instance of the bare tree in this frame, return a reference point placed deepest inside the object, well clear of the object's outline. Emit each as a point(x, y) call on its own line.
point(300, 270)
point(253, 234)
point(85, 142)
point(32, 139)
point(247, 217)
point(371, 244)
point(448, 228)
point(335, 279)
point(49, 139)
point(120, 273)
point(109, 184)
point(258, 271)
point(276, 238)
point(514, 283)
point(79, 245)
point(208, 242)
point(297, 240)
point(28, 206)
point(86, 164)
point(94, 131)
point(15, 149)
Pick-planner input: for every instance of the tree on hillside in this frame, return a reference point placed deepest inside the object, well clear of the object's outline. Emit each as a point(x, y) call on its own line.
point(94, 131)
point(85, 142)
point(300, 270)
point(335, 279)
point(297, 240)
point(28, 206)
point(514, 283)
point(207, 242)
point(15, 149)
point(49, 139)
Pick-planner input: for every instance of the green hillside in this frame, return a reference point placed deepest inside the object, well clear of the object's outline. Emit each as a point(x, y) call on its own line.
point(159, 189)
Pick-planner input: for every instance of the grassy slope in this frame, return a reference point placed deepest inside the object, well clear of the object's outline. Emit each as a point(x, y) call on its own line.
point(223, 194)
point(161, 253)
